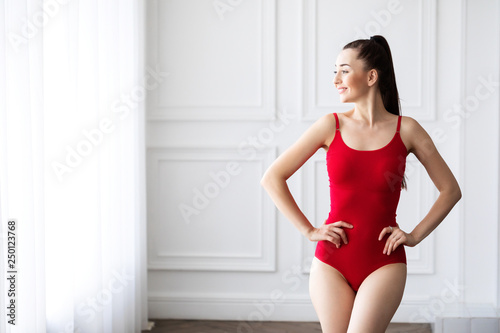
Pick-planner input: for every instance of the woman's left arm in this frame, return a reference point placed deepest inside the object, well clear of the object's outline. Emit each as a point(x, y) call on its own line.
point(421, 145)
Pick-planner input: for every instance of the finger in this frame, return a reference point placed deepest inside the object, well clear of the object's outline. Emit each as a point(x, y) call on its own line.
point(386, 230)
point(342, 224)
point(382, 234)
point(399, 242)
point(395, 245)
point(389, 247)
point(395, 242)
point(388, 244)
point(341, 234)
point(392, 247)
point(336, 242)
point(333, 238)
point(336, 237)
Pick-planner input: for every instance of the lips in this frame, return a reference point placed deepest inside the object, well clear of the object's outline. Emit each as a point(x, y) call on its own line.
point(341, 90)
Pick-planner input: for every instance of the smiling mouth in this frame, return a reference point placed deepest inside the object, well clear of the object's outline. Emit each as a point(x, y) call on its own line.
point(341, 90)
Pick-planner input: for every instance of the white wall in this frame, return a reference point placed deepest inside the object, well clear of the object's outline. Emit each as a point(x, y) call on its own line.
point(480, 150)
point(234, 67)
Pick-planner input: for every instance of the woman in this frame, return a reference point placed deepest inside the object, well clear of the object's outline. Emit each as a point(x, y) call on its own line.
point(359, 270)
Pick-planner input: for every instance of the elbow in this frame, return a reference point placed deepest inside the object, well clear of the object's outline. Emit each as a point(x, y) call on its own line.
point(452, 193)
point(456, 193)
point(269, 180)
point(265, 180)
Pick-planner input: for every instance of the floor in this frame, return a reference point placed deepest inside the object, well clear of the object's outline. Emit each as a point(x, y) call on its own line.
point(207, 326)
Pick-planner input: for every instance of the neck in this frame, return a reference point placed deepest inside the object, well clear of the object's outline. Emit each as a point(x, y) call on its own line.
point(371, 108)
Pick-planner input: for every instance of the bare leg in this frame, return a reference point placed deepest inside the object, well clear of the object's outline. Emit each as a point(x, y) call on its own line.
point(331, 296)
point(378, 299)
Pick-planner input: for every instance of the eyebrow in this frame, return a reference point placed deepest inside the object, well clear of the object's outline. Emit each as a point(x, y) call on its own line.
point(342, 65)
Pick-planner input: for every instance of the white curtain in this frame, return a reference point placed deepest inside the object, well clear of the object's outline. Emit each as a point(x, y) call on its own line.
point(21, 182)
point(72, 91)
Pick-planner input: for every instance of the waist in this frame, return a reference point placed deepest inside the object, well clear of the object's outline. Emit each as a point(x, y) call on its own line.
point(366, 229)
point(364, 202)
point(366, 219)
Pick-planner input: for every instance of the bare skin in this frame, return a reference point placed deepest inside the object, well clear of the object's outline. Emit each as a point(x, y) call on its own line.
point(341, 310)
point(368, 126)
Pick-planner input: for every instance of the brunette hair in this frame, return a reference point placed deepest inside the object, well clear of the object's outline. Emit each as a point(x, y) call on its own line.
point(376, 54)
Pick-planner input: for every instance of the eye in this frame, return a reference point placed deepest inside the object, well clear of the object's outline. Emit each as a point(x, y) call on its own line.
point(343, 72)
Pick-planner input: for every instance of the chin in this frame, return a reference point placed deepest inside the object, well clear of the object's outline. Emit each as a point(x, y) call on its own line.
point(345, 100)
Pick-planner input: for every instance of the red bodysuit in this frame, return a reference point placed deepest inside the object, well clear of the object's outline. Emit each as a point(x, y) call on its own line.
point(364, 191)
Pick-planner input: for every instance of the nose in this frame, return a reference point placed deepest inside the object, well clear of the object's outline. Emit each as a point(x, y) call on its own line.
point(336, 79)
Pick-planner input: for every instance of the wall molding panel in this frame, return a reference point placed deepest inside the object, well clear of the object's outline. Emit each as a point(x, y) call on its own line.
point(316, 201)
point(420, 258)
point(224, 52)
point(222, 175)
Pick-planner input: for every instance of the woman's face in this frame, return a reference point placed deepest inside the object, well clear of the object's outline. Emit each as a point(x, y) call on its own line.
point(351, 79)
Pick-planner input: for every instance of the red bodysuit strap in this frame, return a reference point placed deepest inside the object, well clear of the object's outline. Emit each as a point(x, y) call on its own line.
point(337, 122)
point(399, 124)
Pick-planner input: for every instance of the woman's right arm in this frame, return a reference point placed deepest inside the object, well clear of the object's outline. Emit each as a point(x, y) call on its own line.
point(319, 135)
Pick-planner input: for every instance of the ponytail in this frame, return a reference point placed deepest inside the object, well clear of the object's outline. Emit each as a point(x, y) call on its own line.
point(376, 54)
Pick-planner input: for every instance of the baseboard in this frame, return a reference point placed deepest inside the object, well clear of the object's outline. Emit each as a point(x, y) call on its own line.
point(251, 307)
point(469, 318)
point(271, 307)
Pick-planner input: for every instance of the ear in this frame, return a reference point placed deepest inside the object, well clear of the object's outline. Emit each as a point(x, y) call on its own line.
point(372, 77)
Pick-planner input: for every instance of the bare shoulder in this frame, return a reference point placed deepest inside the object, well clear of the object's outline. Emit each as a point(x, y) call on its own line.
point(414, 136)
point(409, 124)
point(327, 121)
point(324, 129)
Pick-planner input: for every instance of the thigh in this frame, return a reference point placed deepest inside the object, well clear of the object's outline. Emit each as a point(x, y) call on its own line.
point(377, 299)
point(331, 296)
